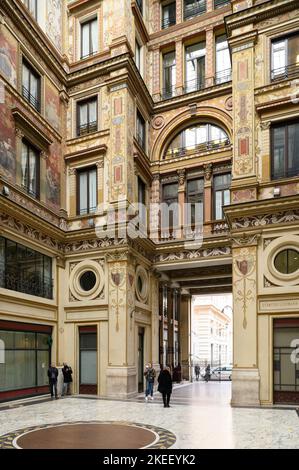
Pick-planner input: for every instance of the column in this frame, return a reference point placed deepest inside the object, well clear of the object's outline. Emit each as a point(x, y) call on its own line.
point(181, 201)
point(156, 75)
point(121, 371)
point(154, 208)
point(179, 67)
point(155, 324)
point(210, 57)
point(210, 5)
point(185, 336)
point(170, 326)
point(179, 10)
point(245, 375)
point(156, 16)
point(72, 192)
point(208, 198)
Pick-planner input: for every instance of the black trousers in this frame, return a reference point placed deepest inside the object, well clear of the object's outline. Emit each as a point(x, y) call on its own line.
point(53, 387)
point(166, 398)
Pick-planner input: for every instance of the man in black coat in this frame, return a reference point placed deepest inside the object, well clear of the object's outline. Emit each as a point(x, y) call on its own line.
point(53, 375)
point(165, 385)
point(67, 379)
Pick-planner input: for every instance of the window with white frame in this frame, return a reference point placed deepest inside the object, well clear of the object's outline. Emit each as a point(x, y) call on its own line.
point(89, 37)
point(223, 63)
point(195, 67)
point(285, 57)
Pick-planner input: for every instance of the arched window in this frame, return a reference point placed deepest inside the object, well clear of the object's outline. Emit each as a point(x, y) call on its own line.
point(200, 137)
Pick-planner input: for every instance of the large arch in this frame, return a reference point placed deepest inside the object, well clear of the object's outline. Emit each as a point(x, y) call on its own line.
point(207, 114)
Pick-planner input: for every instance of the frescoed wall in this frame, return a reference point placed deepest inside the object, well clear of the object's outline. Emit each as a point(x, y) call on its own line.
point(7, 139)
point(8, 56)
point(52, 105)
point(54, 22)
point(53, 177)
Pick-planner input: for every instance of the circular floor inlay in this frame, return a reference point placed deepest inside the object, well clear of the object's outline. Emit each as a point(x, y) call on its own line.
point(89, 435)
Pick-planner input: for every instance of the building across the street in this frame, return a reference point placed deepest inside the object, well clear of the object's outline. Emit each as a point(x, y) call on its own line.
point(211, 336)
point(149, 153)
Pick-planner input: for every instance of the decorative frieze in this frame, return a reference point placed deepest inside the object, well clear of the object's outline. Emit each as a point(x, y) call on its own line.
point(193, 254)
point(268, 219)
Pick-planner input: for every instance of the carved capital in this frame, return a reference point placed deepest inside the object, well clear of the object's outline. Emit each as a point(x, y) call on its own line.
point(246, 239)
point(265, 125)
point(182, 177)
point(72, 171)
point(19, 133)
point(100, 164)
point(208, 169)
point(43, 155)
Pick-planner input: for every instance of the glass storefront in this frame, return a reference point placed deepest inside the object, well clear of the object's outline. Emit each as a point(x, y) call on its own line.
point(25, 358)
point(88, 360)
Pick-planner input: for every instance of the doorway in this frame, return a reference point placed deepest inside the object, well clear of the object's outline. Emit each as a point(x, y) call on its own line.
point(140, 360)
point(285, 362)
point(88, 383)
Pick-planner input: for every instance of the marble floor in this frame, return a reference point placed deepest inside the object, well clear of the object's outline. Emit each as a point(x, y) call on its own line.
point(200, 417)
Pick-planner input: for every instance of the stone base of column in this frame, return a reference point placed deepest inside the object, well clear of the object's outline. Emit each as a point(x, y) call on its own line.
point(245, 387)
point(121, 382)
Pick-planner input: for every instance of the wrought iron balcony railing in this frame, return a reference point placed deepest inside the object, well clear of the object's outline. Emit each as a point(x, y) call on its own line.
point(87, 210)
point(32, 192)
point(223, 76)
point(203, 147)
point(33, 285)
point(194, 85)
point(282, 73)
point(289, 173)
point(30, 98)
point(87, 128)
point(90, 54)
point(195, 9)
point(167, 22)
point(220, 3)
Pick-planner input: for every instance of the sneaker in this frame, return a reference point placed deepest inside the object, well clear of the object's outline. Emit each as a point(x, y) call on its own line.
point(146, 398)
point(152, 398)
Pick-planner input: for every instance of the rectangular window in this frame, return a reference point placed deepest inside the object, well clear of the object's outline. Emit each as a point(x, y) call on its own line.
point(32, 7)
point(142, 201)
point(140, 5)
point(25, 270)
point(220, 3)
point(170, 197)
point(194, 8)
point(27, 357)
point(30, 169)
point(87, 191)
point(138, 55)
point(221, 185)
point(140, 130)
point(87, 116)
point(223, 64)
point(195, 198)
point(31, 85)
point(195, 67)
point(285, 150)
point(168, 15)
point(285, 57)
point(89, 38)
point(169, 75)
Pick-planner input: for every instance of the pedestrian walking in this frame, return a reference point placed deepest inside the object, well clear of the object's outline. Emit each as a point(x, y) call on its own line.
point(165, 385)
point(150, 375)
point(67, 379)
point(53, 375)
point(197, 371)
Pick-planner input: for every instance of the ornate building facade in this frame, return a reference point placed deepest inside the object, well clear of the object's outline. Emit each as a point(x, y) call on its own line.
point(108, 104)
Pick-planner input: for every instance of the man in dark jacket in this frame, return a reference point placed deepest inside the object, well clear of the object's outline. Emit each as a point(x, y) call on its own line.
point(53, 374)
point(67, 379)
point(165, 385)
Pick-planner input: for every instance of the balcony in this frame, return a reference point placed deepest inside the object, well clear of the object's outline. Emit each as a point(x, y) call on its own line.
point(87, 128)
point(210, 145)
point(194, 85)
point(33, 285)
point(223, 76)
point(167, 22)
point(194, 9)
point(35, 102)
point(220, 3)
point(282, 73)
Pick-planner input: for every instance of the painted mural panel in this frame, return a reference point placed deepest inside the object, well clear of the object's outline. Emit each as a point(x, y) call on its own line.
point(53, 177)
point(8, 56)
point(7, 139)
point(54, 22)
point(52, 105)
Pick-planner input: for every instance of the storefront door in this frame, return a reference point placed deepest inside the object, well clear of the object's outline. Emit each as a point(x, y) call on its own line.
point(88, 361)
point(286, 361)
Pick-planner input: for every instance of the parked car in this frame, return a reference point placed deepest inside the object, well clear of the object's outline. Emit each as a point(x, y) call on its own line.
point(222, 373)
